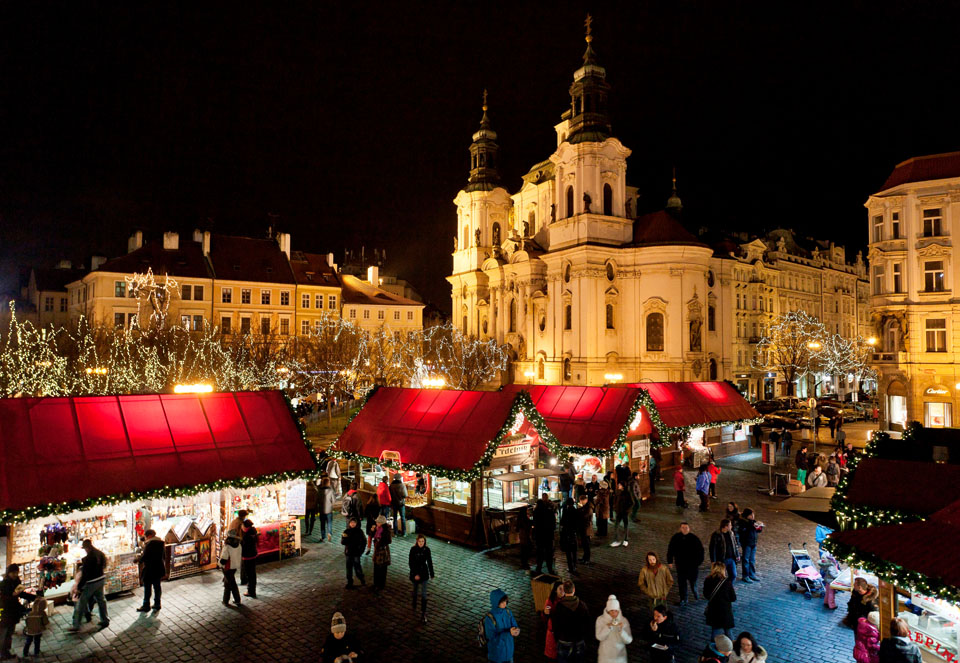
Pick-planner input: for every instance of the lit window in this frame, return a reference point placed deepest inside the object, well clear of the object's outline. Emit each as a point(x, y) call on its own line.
point(936, 331)
point(305, 324)
point(305, 301)
point(120, 290)
point(197, 323)
point(226, 295)
point(284, 298)
point(933, 276)
point(932, 222)
point(655, 332)
point(245, 296)
point(265, 297)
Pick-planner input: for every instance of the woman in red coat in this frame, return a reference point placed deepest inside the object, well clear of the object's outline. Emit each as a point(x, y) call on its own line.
point(550, 647)
point(679, 485)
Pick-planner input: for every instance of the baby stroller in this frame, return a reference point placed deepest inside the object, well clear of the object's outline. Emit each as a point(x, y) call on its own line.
point(808, 578)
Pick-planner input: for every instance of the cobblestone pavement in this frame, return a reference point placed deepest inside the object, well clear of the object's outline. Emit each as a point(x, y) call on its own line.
point(297, 597)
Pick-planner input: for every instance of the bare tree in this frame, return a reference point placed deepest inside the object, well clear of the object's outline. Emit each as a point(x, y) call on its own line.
point(463, 362)
point(793, 347)
point(329, 359)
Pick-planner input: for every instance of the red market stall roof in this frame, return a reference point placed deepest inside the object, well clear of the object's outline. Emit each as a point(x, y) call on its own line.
point(913, 487)
point(589, 418)
point(698, 404)
point(446, 432)
point(67, 454)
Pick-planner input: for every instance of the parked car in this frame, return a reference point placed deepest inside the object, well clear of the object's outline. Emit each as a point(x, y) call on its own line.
point(766, 407)
point(780, 419)
point(788, 402)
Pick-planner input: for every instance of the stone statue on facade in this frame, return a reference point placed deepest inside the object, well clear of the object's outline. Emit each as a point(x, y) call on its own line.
point(477, 235)
point(553, 213)
point(781, 244)
point(586, 202)
point(695, 340)
point(629, 205)
point(455, 242)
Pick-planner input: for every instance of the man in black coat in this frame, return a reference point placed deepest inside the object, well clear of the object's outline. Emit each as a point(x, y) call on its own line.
point(544, 526)
point(354, 541)
point(725, 549)
point(398, 502)
point(662, 634)
point(572, 625)
point(685, 554)
point(152, 569)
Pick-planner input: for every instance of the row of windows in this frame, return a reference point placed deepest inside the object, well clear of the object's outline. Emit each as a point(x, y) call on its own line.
point(765, 305)
point(933, 277)
point(381, 314)
point(196, 292)
point(933, 225)
point(48, 304)
point(318, 301)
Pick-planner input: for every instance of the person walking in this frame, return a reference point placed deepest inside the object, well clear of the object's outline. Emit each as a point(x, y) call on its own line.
point(310, 508)
point(550, 643)
point(340, 646)
point(325, 502)
point(398, 503)
point(724, 548)
point(899, 647)
point(841, 435)
point(637, 493)
point(11, 610)
point(749, 531)
point(662, 634)
point(866, 640)
point(382, 538)
point(613, 632)
point(833, 471)
point(152, 569)
point(351, 505)
point(353, 542)
point(569, 526)
point(746, 650)
point(801, 462)
point(685, 554)
point(35, 624)
point(624, 504)
point(603, 508)
point(715, 471)
point(90, 587)
point(231, 559)
point(703, 487)
point(371, 512)
point(500, 628)
point(544, 527)
point(655, 580)
point(817, 479)
point(787, 441)
point(718, 651)
point(833, 428)
point(566, 480)
point(384, 499)
point(421, 572)
point(680, 485)
point(815, 415)
point(333, 473)
point(571, 626)
point(249, 544)
point(720, 595)
point(653, 471)
point(585, 529)
point(773, 438)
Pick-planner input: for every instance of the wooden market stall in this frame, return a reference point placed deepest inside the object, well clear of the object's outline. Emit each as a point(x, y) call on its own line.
point(108, 468)
point(458, 443)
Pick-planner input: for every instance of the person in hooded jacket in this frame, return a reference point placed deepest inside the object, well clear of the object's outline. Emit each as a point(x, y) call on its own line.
point(866, 647)
point(340, 646)
point(550, 642)
point(384, 498)
point(899, 648)
point(662, 634)
point(746, 650)
point(382, 538)
point(351, 505)
point(500, 628)
point(421, 572)
point(680, 485)
point(703, 487)
point(353, 542)
point(230, 562)
point(571, 626)
point(569, 526)
point(613, 632)
point(718, 651)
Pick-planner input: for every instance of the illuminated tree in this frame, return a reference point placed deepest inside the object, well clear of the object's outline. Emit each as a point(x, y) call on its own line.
point(793, 347)
point(153, 298)
point(29, 362)
point(463, 362)
point(329, 359)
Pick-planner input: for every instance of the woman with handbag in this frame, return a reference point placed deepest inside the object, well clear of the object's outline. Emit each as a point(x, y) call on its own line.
point(382, 537)
point(720, 595)
point(231, 560)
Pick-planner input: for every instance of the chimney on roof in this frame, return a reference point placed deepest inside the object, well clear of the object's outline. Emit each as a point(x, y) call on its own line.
point(205, 242)
point(330, 263)
point(283, 239)
point(96, 261)
point(135, 241)
point(64, 264)
point(197, 235)
point(171, 241)
point(373, 275)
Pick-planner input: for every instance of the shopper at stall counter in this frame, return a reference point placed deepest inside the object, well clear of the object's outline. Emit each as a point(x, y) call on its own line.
point(421, 572)
point(353, 541)
point(398, 502)
point(35, 624)
point(90, 586)
point(231, 559)
point(899, 648)
point(152, 569)
point(340, 646)
point(500, 628)
point(383, 497)
point(248, 549)
point(12, 610)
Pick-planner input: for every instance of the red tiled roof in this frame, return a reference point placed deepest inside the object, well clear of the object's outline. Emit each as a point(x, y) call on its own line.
point(921, 169)
point(356, 291)
point(312, 269)
point(911, 486)
point(56, 280)
point(185, 261)
point(249, 259)
point(661, 228)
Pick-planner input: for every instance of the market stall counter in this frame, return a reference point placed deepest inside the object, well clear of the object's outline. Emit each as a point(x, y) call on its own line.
point(449, 446)
point(107, 468)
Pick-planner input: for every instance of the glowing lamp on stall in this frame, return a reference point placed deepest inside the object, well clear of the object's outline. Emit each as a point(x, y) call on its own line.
point(613, 377)
point(814, 345)
point(528, 374)
point(637, 420)
point(434, 383)
point(283, 370)
point(193, 389)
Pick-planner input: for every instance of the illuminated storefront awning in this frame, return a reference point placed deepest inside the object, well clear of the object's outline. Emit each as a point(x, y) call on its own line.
point(66, 454)
point(698, 404)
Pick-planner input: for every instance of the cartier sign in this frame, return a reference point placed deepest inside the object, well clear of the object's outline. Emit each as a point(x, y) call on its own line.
point(936, 391)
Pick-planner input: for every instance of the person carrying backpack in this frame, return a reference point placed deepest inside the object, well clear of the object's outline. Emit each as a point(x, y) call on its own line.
point(350, 504)
point(499, 628)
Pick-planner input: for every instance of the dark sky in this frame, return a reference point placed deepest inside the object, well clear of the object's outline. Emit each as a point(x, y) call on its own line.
point(351, 121)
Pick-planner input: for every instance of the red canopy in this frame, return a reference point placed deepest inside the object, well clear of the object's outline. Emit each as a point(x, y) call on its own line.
point(442, 429)
point(592, 417)
point(68, 450)
point(706, 404)
point(915, 487)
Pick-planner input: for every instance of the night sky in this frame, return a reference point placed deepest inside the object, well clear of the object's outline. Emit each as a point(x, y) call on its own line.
point(351, 121)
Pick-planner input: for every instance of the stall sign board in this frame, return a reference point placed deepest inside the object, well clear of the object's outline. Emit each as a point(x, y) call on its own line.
point(297, 498)
point(640, 448)
point(512, 450)
point(769, 451)
point(937, 606)
point(934, 646)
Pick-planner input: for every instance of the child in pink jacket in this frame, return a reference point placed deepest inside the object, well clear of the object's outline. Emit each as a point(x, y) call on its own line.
point(867, 639)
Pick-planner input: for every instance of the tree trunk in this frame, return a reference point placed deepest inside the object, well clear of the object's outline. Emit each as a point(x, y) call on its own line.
point(329, 412)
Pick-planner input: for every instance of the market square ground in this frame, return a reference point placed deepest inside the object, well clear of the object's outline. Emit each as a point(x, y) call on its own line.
point(291, 617)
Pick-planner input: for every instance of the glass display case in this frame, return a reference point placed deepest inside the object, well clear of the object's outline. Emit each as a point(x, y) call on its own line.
point(450, 491)
point(934, 623)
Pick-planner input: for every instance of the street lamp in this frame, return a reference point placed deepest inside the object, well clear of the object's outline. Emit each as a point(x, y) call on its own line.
point(613, 377)
point(529, 375)
point(814, 345)
point(872, 341)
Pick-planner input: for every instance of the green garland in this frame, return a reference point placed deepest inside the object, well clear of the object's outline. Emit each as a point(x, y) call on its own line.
point(664, 432)
point(521, 404)
point(167, 492)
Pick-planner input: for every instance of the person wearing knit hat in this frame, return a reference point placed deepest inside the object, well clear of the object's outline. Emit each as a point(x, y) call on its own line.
point(613, 632)
point(382, 537)
point(720, 649)
point(866, 639)
point(340, 646)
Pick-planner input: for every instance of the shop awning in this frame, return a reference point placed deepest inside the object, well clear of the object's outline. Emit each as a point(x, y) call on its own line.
point(698, 404)
point(587, 417)
point(444, 431)
point(65, 454)
point(913, 487)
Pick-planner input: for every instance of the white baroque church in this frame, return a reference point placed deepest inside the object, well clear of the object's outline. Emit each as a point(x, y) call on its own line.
point(565, 272)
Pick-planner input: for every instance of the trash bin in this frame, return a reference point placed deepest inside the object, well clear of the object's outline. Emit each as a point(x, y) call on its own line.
point(780, 483)
point(542, 586)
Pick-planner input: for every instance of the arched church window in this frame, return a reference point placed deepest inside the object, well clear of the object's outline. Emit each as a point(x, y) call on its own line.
point(655, 332)
point(465, 330)
point(712, 318)
point(532, 221)
point(567, 317)
point(566, 273)
point(513, 315)
point(610, 316)
point(607, 200)
point(569, 201)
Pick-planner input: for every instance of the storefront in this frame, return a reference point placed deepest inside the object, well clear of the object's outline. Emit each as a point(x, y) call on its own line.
point(108, 468)
point(897, 404)
point(937, 406)
point(476, 456)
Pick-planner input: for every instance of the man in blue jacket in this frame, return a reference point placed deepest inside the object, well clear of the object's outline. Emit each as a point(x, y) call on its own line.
point(501, 628)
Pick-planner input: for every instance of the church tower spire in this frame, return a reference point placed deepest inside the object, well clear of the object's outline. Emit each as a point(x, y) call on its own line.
point(673, 202)
point(484, 155)
point(589, 94)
